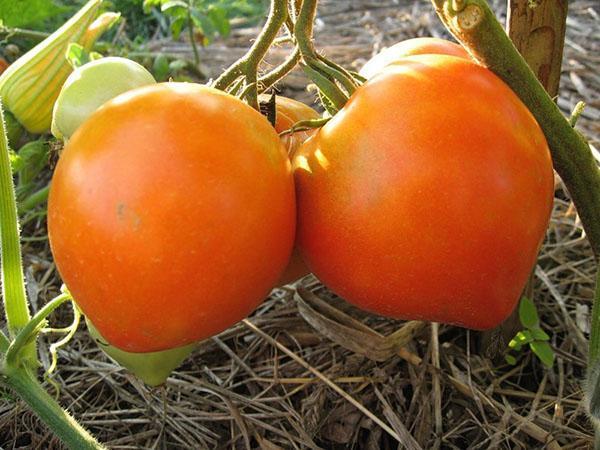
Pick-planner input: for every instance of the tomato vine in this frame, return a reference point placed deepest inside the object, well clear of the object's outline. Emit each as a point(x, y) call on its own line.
point(471, 21)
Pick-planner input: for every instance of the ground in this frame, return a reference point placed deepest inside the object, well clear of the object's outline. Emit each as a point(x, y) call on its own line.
point(300, 375)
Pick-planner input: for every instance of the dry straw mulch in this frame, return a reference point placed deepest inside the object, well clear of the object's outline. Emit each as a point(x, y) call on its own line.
point(279, 381)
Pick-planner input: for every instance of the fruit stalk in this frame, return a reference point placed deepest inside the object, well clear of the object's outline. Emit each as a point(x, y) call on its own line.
point(248, 64)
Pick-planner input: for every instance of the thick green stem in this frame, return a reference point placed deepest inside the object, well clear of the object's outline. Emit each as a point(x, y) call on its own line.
point(13, 284)
point(57, 419)
point(248, 64)
point(476, 27)
point(303, 29)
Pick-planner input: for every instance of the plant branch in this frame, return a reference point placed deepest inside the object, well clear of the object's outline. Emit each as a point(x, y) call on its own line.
point(57, 419)
point(324, 73)
point(22, 33)
point(269, 79)
point(28, 333)
point(13, 284)
point(248, 64)
point(474, 24)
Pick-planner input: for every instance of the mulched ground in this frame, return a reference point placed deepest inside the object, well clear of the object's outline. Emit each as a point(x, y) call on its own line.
point(301, 374)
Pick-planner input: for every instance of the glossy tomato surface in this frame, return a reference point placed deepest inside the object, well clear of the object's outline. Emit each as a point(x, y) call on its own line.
point(411, 47)
point(171, 215)
point(289, 112)
point(428, 195)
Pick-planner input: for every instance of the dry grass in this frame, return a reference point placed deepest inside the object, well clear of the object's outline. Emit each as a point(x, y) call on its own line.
point(274, 381)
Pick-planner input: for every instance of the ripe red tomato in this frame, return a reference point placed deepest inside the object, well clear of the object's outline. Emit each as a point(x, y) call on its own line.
point(427, 196)
point(171, 215)
point(411, 47)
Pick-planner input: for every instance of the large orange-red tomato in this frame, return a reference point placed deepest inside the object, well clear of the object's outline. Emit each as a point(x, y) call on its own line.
point(411, 47)
point(289, 112)
point(171, 215)
point(428, 195)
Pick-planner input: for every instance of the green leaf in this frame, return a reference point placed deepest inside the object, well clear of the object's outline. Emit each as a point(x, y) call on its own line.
point(510, 359)
point(218, 17)
point(16, 163)
point(21, 13)
point(539, 334)
point(528, 314)
point(76, 55)
point(34, 157)
point(177, 65)
point(205, 25)
point(177, 25)
point(174, 6)
point(544, 352)
point(160, 68)
point(149, 4)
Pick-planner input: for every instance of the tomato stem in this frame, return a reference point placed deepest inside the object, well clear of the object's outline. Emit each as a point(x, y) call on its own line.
point(66, 428)
point(329, 77)
point(29, 332)
point(474, 24)
point(248, 64)
point(13, 285)
point(269, 79)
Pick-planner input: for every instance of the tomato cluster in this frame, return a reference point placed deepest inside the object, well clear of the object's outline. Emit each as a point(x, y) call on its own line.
point(174, 208)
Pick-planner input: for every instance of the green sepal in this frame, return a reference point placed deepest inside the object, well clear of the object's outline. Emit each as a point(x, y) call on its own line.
point(152, 368)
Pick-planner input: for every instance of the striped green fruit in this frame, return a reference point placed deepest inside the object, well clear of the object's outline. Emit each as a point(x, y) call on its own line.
point(30, 86)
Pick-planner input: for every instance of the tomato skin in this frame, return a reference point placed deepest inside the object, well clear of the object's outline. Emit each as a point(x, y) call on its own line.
point(171, 215)
point(289, 112)
point(428, 195)
point(411, 47)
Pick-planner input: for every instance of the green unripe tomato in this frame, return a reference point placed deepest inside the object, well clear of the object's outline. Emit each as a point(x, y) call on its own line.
point(90, 86)
point(152, 368)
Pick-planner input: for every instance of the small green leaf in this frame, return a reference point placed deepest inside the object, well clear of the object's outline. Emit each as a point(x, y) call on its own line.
point(149, 4)
point(172, 6)
point(76, 55)
point(544, 352)
point(16, 163)
point(25, 14)
point(527, 313)
point(539, 334)
point(177, 25)
point(523, 337)
point(218, 16)
point(177, 65)
point(160, 68)
point(510, 359)
point(34, 157)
